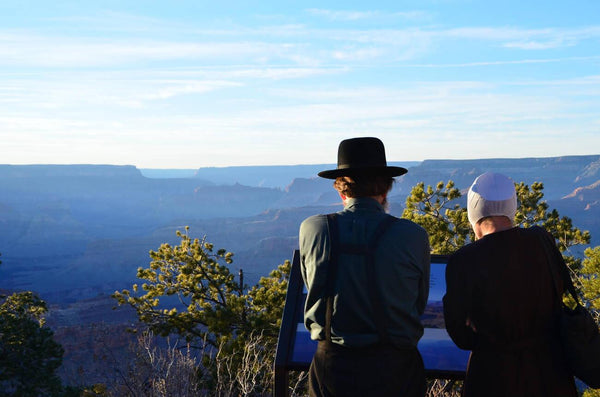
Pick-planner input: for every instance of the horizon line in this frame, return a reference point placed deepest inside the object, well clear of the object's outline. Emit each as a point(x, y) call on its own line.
point(283, 165)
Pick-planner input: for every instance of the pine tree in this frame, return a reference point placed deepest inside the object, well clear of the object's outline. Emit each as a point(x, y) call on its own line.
point(29, 356)
point(439, 212)
point(189, 291)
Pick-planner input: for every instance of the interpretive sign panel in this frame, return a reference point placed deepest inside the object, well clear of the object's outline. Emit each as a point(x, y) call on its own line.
point(295, 349)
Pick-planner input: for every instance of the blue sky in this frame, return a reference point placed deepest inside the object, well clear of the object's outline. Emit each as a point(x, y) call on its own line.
point(187, 84)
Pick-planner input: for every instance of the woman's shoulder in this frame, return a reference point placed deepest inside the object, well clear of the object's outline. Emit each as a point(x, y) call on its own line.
point(472, 252)
point(486, 245)
point(463, 254)
point(535, 231)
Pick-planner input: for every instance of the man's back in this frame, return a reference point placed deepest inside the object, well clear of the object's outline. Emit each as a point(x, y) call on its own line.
point(402, 276)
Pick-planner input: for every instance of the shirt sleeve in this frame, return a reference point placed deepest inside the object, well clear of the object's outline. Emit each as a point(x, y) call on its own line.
point(314, 248)
point(313, 243)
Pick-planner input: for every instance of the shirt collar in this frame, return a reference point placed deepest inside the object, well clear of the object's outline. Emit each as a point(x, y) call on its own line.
point(363, 203)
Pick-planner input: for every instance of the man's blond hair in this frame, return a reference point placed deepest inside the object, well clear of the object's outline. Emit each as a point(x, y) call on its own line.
point(363, 185)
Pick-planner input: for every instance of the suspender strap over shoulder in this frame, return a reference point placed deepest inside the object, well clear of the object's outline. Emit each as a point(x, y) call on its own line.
point(334, 239)
point(368, 251)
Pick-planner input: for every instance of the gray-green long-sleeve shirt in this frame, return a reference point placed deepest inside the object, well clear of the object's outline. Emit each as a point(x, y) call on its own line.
point(402, 260)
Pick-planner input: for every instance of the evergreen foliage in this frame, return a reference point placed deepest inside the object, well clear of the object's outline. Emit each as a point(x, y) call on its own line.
point(189, 290)
point(590, 277)
point(437, 211)
point(533, 210)
point(29, 356)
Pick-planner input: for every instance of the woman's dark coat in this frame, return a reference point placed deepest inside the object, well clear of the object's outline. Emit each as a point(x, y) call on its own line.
point(502, 285)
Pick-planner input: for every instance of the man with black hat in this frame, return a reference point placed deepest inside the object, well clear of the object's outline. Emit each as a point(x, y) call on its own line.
point(367, 275)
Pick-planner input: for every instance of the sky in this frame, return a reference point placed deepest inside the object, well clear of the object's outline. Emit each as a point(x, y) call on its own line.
point(189, 84)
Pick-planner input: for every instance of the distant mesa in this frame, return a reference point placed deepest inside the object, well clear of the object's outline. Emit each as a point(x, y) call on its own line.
point(80, 170)
point(64, 223)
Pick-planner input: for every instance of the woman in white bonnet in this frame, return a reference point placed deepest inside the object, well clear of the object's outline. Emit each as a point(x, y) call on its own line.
point(501, 303)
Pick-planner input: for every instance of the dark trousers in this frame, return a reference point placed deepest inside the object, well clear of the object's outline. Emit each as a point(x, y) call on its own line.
point(378, 371)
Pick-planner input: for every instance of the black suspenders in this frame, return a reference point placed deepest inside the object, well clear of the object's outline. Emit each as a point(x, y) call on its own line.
point(368, 251)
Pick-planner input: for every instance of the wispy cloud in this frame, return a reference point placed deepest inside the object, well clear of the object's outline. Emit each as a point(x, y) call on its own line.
point(175, 88)
point(499, 63)
point(63, 52)
point(468, 113)
point(348, 15)
point(80, 91)
point(298, 45)
point(113, 21)
point(526, 39)
point(537, 45)
point(154, 91)
point(342, 15)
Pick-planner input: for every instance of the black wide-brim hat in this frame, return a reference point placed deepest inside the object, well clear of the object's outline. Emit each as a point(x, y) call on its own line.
point(362, 156)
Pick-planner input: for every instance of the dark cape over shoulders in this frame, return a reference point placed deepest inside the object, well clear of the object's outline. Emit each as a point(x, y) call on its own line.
point(502, 286)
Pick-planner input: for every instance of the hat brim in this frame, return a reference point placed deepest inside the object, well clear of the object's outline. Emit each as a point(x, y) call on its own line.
point(372, 171)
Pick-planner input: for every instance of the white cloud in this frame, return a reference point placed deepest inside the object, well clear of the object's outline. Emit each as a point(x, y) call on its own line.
point(349, 15)
point(296, 45)
point(165, 97)
point(279, 73)
point(113, 21)
point(499, 63)
point(175, 88)
point(357, 54)
point(63, 52)
point(526, 39)
point(342, 15)
point(90, 92)
point(537, 45)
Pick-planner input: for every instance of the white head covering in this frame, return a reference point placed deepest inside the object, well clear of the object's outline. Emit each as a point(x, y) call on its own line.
point(491, 194)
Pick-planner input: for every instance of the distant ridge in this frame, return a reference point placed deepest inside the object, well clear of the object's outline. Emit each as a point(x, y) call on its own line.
point(67, 170)
point(504, 160)
point(74, 231)
point(278, 176)
point(158, 173)
point(560, 175)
